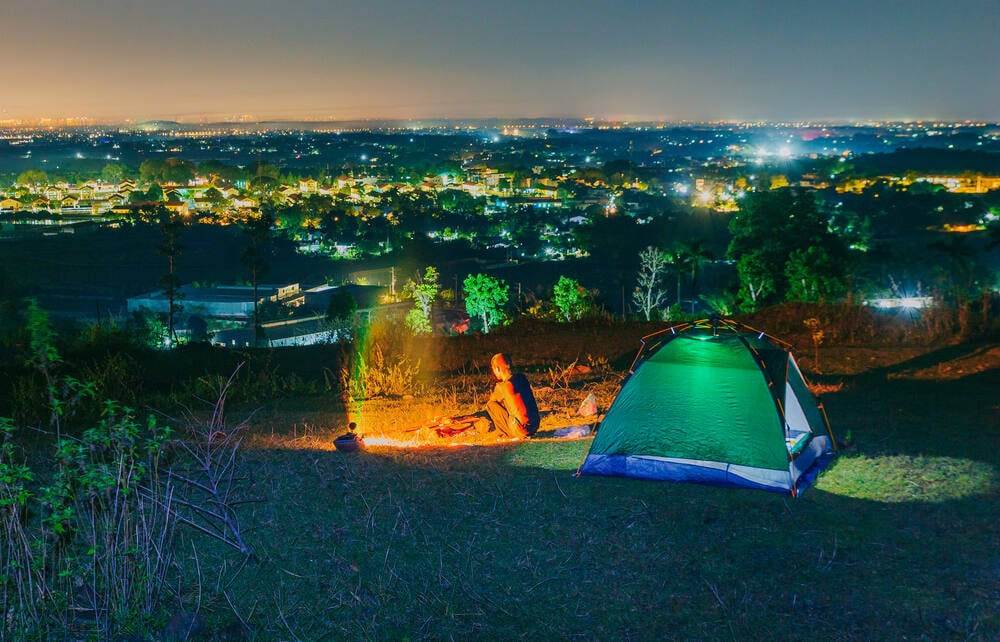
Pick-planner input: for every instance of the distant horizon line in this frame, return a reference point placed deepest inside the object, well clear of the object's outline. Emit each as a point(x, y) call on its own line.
point(496, 121)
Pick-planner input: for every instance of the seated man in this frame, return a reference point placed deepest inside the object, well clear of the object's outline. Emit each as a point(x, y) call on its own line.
point(512, 405)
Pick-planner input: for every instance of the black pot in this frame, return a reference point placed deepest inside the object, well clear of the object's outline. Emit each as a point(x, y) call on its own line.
point(348, 443)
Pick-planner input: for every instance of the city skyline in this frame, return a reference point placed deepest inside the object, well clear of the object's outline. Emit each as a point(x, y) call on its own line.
point(385, 59)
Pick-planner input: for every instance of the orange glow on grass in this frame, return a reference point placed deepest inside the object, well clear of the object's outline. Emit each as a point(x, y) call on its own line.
point(429, 435)
point(389, 442)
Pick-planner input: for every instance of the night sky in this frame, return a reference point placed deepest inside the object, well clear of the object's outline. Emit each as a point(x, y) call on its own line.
point(775, 60)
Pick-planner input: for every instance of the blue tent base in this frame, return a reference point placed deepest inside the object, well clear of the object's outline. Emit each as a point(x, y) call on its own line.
point(714, 403)
point(809, 476)
point(703, 472)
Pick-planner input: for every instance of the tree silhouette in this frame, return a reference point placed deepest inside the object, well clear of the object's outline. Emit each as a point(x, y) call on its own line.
point(113, 172)
point(814, 276)
point(33, 177)
point(696, 255)
point(171, 226)
point(767, 230)
point(257, 230)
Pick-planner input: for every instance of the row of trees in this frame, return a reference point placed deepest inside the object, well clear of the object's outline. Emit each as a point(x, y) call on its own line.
point(486, 298)
point(169, 170)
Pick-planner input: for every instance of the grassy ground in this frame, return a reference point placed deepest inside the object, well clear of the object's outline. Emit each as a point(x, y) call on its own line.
point(900, 538)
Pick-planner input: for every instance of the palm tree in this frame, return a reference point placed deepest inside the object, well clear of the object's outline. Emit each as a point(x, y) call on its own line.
point(696, 256)
point(171, 226)
point(677, 265)
point(257, 230)
point(688, 257)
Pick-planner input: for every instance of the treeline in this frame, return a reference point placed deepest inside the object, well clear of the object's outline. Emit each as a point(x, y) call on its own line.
point(925, 160)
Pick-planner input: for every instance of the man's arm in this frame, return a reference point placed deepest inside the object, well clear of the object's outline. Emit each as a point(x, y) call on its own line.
point(502, 393)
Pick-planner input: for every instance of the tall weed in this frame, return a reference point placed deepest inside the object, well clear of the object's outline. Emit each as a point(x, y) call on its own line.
point(369, 374)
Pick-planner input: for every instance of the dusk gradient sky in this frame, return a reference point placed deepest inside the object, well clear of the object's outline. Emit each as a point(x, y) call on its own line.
point(195, 60)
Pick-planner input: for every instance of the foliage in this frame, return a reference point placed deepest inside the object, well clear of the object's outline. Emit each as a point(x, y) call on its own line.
point(615, 242)
point(340, 313)
point(757, 282)
point(673, 314)
point(816, 334)
point(570, 298)
point(217, 169)
point(955, 268)
point(21, 580)
point(485, 297)
point(693, 255)
point(35, 177)
point(722, 303)
point(89, 534)
point(170, 170)
point(417, 322)
point(43, 355)
point(423, 292)
point(154, 193)
point(44, 358)
point(814, 276)
point(767, 232)
point(263, 376)
point(113, 172)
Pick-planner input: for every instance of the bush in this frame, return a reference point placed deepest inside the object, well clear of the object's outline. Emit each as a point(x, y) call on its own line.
point(91, 547)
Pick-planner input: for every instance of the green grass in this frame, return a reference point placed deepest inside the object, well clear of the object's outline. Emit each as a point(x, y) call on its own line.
point(905, 478)
point(899, 539)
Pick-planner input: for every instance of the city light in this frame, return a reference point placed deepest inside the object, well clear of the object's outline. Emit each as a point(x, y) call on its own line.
point(906, 303)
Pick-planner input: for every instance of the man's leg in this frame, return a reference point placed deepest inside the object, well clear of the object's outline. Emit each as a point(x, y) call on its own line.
point(501, 419)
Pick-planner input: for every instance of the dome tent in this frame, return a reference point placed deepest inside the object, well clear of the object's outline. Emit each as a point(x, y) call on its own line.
point(714, 402)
